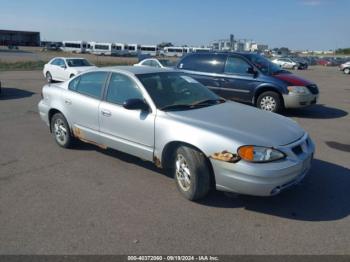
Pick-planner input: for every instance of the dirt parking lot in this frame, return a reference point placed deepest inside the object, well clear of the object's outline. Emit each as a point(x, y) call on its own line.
point(93, 201)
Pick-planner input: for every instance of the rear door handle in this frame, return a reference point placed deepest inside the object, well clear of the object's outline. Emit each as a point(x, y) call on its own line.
point(68, 101)
point(106, 113)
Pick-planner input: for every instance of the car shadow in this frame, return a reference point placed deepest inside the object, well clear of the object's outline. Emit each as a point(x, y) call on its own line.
point(8, 93)
point(339, 146)
point(316, 112)
point(322, 196)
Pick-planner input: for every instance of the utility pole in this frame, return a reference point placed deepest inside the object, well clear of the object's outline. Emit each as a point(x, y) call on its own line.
point(232, 42)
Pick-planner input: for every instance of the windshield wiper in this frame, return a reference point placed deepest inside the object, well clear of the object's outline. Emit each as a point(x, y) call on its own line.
point(177, 107)
point(209, 102)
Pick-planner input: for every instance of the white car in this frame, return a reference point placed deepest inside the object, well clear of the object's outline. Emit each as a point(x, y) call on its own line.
point(64, 68)
point(158, 63)
point(286, 62)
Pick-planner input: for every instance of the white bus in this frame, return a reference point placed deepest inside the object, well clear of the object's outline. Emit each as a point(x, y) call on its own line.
point(89, 47)
point(74, 46)
point(174, 51)
point(121, 49)
point(149, 50)
point(132, 49)
point(201, 49)
point(104, 49)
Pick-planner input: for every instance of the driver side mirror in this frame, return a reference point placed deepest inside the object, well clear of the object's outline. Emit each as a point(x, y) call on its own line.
point(136, 104)
point(63, 66)
point(252, 71)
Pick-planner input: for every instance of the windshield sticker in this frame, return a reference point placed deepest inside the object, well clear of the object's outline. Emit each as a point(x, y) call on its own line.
point(190, 80)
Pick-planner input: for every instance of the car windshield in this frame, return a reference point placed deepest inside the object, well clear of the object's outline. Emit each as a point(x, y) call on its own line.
point(172, 91)
point(265, 65)
point(167, 63)
point(78, 62)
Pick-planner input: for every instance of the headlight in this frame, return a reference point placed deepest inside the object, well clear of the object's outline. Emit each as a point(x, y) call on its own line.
point(259, 154)
point(298, 90)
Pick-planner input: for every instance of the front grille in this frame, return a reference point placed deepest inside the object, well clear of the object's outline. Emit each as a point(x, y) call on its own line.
point(297, 150)
point(313, 89)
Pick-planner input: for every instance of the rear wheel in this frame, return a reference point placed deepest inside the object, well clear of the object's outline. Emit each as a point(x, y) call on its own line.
point(347, 71)
point(61, 131)
point(191, 173)
point(49, 77)
point(270, 101)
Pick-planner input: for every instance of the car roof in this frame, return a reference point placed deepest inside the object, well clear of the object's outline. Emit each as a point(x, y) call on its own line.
point(136, 70)
point(69, 58)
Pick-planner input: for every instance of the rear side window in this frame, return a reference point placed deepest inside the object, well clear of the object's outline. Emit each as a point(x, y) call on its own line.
point(89, 84)
point(236, 65)
point(122, 88)
point(209, 63)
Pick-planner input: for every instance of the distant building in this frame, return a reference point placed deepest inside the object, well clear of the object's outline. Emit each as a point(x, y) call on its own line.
point(239, 45)
point(19, 38)
point(258, 47)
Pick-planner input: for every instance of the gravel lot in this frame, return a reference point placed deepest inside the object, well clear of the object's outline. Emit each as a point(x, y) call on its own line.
point(91, 201)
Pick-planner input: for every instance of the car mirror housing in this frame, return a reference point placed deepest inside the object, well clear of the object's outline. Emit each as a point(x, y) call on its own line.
point(252, 71)
point(136, 104)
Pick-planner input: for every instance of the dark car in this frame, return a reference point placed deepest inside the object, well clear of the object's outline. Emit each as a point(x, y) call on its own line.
point(303, 64)
point(250, 78)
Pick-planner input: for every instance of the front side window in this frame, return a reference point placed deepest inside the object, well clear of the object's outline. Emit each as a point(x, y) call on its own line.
point(122, 88)
point(236, 65)
point(90, 84)
point(265, 65)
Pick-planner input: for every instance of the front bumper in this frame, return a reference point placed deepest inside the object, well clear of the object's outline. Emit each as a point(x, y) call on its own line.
point(265, 179)
point(296, 100)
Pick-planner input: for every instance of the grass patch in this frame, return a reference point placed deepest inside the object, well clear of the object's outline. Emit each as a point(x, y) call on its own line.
point(39, 65)
point(25, 65)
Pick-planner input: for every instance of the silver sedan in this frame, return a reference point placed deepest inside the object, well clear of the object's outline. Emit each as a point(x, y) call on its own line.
point(170, 119)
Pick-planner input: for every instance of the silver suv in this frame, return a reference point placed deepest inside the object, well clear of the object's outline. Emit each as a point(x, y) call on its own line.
point(169, 118)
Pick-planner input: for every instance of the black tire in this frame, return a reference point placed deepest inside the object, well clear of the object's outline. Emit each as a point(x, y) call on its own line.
point(270, 101)
point(346, 71)
point(61, 132)
point(49, 77)
point(199, 173)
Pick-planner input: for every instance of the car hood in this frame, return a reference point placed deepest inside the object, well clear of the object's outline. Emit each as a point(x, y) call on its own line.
point(242, 123)
point(291, 79)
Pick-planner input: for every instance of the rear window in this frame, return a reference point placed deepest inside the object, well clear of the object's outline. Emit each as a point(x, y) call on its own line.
point(209, 63)
point(89, 84)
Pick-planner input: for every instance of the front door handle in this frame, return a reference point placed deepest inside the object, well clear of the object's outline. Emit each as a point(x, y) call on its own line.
point(106, 113)
point(68, 101)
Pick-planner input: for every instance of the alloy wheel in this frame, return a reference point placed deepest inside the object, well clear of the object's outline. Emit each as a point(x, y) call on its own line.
point(60, 131)
point(183, 173)
point(268, 103)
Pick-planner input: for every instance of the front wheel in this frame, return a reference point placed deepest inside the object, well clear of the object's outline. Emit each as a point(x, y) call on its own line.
point(191, 173)
point(49, 77)
point(61, 131)
point(347, 71)
point(270, 101)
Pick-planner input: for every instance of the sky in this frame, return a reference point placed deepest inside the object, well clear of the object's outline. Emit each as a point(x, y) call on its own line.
point(297, 24)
